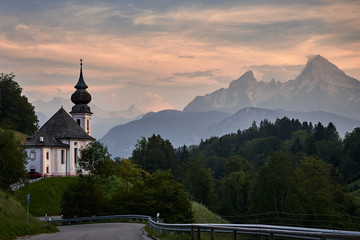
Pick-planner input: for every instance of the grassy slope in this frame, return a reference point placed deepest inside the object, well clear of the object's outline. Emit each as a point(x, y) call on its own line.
point(204, 215)
point(45, 195)
point(13, 219)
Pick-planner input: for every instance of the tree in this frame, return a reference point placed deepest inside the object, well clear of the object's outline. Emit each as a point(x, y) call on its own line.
point(16, 112)
point(239, 176)
point(317, 192)
point(200, 182)
point(12, 160)
point(129, 172)
point(350, 162)
point(315, 186)
point(84, 198)
point(168, 198)
point(271, 188)
point(154, 153)
point(96, 160)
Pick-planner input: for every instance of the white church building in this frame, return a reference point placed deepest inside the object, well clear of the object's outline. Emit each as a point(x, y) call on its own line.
point(55, 148)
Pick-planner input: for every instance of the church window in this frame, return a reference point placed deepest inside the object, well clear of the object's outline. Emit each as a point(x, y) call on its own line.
point(75, 154)
point(47, 155)
point(87, 125)
point(62, 156)
point(78, 121)
point(47, 169)
point(32, 155)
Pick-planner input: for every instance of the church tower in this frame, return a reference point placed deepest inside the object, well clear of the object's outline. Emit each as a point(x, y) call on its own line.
point(81, 111)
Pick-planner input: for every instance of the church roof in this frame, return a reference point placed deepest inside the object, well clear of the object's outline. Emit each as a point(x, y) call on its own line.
point(60, 126)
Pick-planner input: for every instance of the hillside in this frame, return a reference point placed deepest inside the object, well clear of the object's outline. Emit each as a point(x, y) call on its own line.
point(45, 195)
point(13, 220)
point(203, 215)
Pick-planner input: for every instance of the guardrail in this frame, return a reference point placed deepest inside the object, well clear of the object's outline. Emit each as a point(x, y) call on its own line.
point(235, 229)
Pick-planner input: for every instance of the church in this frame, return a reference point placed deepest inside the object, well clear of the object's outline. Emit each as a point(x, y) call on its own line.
point(55, 148)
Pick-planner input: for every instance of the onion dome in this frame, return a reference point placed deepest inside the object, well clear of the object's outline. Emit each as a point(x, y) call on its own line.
point(81, 97)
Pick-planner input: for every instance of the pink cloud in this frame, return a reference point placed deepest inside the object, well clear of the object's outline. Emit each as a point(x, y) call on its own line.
point(152, 102)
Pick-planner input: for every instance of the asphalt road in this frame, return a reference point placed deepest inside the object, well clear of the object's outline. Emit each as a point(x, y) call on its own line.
point(112, 231)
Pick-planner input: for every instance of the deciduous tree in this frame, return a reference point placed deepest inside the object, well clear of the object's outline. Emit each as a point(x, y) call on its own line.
point(12, 160)
point(16, 112)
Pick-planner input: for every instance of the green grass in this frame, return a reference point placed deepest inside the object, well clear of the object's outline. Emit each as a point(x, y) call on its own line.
point(354, 185)
point(13, 220)
point(204, 215)
point(45, 195)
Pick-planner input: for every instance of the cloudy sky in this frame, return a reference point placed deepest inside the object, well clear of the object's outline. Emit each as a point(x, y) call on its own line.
point(161, 54)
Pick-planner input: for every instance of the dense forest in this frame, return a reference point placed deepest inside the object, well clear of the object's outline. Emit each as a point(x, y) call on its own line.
point(286, 172)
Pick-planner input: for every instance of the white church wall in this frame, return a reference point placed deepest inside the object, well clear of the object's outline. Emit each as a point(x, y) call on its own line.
point(34, 156)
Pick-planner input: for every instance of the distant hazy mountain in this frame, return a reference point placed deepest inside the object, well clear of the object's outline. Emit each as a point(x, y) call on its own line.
point(177, 126)
point(190, 127)
point(101, 121)
point(321, 86)
point(244, 118)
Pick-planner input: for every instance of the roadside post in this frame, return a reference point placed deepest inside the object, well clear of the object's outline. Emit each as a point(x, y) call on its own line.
point(27, 208)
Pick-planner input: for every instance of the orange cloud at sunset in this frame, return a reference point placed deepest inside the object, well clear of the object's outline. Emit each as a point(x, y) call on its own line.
point(162, 56)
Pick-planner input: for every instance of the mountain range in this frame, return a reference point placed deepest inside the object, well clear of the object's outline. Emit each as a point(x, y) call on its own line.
point(321, 86)
point(321, 93)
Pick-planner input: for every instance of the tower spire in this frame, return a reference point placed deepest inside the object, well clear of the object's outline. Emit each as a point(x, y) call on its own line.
point(81, 111)
point(81, 83)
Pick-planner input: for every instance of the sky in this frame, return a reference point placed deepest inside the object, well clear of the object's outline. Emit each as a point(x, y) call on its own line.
point(161, 54)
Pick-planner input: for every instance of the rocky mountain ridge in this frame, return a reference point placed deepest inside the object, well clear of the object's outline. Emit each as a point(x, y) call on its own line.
point(321, 86)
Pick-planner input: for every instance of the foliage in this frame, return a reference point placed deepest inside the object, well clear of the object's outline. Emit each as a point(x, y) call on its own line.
point(84, 198)
point(350, 162)
point(236, 186)
point(168, 198)
point(153, 153)
point(316, 189)
point(13, 220)
point(200, 182)
point(16, 112)
point(96, 159)
point(271, 188)
point(12, 160)
point(119, 187)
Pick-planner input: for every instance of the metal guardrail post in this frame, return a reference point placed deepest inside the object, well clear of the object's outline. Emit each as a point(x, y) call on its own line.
point(212, 234)
point(235, 235)
point(198, 233)
point(271, 236)
point(192, 233)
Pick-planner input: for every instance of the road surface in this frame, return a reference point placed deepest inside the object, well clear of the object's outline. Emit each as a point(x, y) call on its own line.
point(112, 231)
